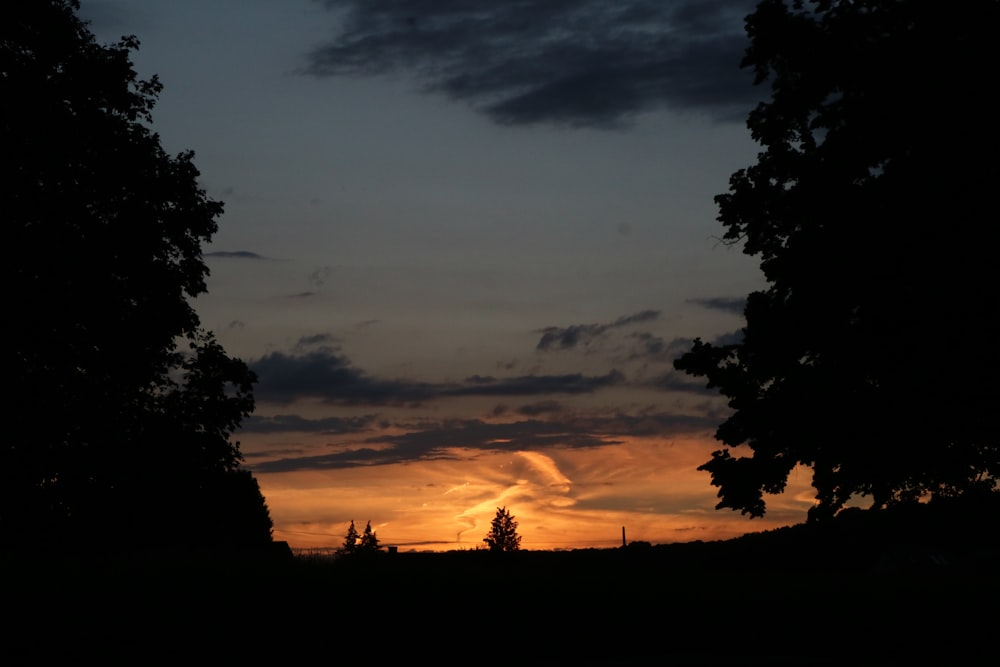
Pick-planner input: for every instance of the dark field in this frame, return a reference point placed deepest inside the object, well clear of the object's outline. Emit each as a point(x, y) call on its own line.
point(859, 595)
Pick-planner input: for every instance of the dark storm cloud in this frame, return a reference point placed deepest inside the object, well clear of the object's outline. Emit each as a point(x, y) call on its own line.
point(727, 304)
point(328, 375)
point(433, 440)
point(564, 338)
point(570, 62)
point(234, 254)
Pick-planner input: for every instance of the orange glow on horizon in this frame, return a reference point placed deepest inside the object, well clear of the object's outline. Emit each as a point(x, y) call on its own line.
point(562, 499)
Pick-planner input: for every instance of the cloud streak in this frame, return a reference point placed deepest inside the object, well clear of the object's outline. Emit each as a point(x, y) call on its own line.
point(327, 375)
point(733, 305)
point(581, 335)
point(289, 423)
point(427, 440)
point(234, 254)
point(589, 63)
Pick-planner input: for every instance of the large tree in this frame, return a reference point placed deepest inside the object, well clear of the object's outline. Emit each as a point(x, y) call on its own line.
point(121, 407)
point(873, 355)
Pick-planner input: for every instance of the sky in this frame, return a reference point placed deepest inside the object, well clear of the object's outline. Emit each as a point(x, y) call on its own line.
point(462, 245)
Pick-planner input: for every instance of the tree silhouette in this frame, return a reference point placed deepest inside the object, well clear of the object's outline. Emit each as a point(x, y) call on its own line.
point(503, 532)
point(123, 407)
point(871, 356)
point(369, 543)
point(351, 540)
point(231, 511)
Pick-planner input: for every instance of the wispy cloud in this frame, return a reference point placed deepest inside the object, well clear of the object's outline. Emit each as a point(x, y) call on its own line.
point(650, 347)
point(288, 423)
point(234, 254)
point(531, 385)
point(569, 62)
point(724, 303)
point(423, 440)
point(540, 408)
point(351, 459)
point(581, 335)
point(675, 381)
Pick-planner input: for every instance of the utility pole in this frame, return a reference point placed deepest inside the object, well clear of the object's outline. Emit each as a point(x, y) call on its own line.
point(623, 535)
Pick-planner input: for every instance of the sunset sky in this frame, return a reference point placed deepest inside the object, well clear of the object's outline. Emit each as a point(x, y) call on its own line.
point(463, 244)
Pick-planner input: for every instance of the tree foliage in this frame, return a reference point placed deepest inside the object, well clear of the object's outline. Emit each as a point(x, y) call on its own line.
point(123, 405)
point(503, 532)
point(872, 354)
point(356, 544)
point(351, 540)
point(369, 542)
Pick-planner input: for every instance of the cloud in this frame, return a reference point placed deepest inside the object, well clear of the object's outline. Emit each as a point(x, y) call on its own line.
point(477, 434)
point(455, 439)
point(291, 423)
point(321, 340)
point(234, 254)
point(588, 63)
point(564, 338)
point(548, 469)
point(651, 347)
point(647, 424)
point(731, 338)
point(348, 459)
point(328, 375)
point(675, 381)
point(529, 385)
point(318, 277)
point(539, 408)
point(727, 304)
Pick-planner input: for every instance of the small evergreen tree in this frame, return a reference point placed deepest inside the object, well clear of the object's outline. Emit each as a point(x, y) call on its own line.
point(351, 541)
point(503, 532)
point(369, 542)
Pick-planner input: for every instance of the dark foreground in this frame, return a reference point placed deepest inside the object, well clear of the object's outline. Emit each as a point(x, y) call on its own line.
point(865, 596)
